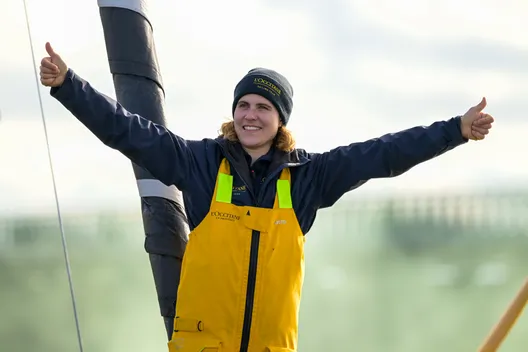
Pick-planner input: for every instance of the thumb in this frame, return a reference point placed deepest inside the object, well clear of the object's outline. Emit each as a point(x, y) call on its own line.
point(50, 51)
point(480, 106)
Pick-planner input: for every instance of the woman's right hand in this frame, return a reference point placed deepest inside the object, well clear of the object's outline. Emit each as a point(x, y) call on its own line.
point(52, 69)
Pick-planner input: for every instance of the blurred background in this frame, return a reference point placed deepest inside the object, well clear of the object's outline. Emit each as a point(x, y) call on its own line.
point(427, 261)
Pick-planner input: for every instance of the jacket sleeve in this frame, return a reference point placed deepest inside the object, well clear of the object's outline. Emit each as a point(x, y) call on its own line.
point(151, 146)
point(345, 168)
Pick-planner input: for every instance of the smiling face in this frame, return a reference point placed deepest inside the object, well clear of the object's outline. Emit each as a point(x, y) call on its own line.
point(256, 123)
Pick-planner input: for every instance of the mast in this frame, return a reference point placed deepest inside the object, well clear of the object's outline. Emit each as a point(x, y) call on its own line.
point(139, 88)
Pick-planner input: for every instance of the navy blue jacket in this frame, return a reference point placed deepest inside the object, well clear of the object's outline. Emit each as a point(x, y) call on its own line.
point(318, 179)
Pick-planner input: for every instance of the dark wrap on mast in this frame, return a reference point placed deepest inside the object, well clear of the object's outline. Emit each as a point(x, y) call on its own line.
point(138, 86)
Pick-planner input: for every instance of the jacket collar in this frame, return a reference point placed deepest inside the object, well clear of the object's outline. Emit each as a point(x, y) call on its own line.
point(234, 152)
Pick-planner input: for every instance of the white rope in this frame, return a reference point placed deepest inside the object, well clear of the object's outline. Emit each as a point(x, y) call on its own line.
point(63, 237)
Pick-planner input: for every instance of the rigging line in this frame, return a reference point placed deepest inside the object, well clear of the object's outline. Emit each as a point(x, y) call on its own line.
point(63, 236)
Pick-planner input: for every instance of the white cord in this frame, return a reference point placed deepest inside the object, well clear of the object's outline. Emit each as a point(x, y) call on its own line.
point(63, 237)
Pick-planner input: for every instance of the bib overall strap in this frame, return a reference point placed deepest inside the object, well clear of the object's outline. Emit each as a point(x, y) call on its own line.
point(224, 184)
point(283, 197)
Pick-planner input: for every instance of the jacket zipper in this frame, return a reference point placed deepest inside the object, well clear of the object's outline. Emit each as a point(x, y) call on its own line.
point(250, 293)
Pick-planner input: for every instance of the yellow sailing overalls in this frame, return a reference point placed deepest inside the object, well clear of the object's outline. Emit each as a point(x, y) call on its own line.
point(242, 275)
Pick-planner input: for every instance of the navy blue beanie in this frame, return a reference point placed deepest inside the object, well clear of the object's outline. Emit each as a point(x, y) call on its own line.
point(269, 84)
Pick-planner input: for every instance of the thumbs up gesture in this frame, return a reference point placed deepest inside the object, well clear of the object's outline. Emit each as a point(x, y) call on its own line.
point(475, 124)
point(52, 69)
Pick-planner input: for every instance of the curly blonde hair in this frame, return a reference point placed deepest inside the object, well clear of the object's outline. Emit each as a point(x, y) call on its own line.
point(283, 140)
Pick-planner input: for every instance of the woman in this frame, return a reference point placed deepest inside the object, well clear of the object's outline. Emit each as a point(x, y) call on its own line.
point(250, 198)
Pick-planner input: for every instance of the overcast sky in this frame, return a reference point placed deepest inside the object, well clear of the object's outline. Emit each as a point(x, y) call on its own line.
point(359, 69)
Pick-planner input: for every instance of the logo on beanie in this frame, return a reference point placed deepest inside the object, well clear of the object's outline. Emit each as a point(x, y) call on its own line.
point(267, 85)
